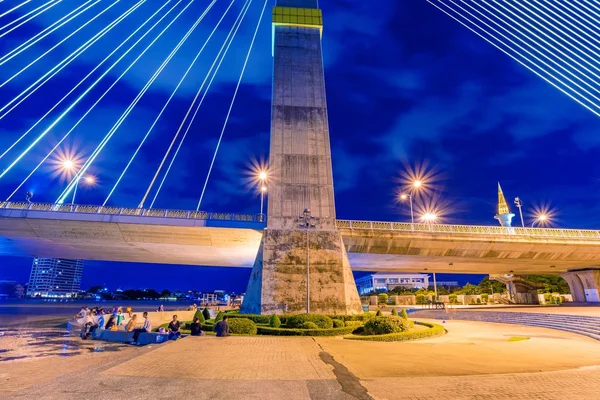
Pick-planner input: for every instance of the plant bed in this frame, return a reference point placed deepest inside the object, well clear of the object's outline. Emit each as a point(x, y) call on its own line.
point(431, 330)
point(267, 330)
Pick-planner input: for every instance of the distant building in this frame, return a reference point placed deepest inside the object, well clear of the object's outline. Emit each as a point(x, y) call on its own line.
point(447, 284)
point(388, 281)
point(55, 277)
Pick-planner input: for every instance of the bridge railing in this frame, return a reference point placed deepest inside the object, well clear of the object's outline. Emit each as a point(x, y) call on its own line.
point(141, 212)
point(469, 229)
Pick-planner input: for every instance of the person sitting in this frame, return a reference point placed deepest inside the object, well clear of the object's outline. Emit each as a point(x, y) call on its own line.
point(111, 325)
point(89, 325)
point(174, 326)
point(222, 327)
point(146, 327)
point(131, 324)
point(128, 311)
point(101, 320)
point(196, 328)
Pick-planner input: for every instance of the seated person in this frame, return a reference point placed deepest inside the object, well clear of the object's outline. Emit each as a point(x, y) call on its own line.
point(222, 328)
point(174, 326)
point(147, 327)
point(131, 324)
point(196, 328)
point(89, 325)
point(111, 325)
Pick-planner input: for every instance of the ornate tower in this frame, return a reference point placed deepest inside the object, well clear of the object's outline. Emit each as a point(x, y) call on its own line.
point(503, 215)
point(300, 177)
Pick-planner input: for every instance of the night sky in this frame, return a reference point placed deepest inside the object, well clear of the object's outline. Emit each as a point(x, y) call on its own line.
point(408, 88)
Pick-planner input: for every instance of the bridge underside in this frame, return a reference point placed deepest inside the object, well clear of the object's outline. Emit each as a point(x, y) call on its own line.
point(186, 242)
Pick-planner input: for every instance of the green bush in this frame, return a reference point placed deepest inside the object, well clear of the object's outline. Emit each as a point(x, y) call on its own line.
point(256, 318)
point(309, 325)
point(383, 298)
point(206, 314)
point(338, 323)
point(394, 312)
point(385, 325)
point(421, 299)
point(453, 299)
point(478, 301)
point(485, 297)
point(354, 323)
point(198, 314)
point(242, 326)
point(322, 321)
point(267, 330)
point(378, 313)
point(275, 322)
point(392, 302)
point(403, 314)
point(434, 330)
point(352, 317)
point(219, 317)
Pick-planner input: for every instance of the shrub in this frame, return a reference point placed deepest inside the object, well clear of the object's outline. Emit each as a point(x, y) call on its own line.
point(453, 298)
point(378, 313)
point(392, 302)
point(403, 314)
point(478, 301)
point(383, 298)
point(267, 330)
point(322, 321)
point(434, 330)
point(256, 318)
point(354, 323)
point(385, 325)
point(198, 314)
point(338, 323)
point(274, 322)
point(219, 317)
point(309, 325)
point(485, 298)
point(206, 314)
point(420, 299)
point(242, 326)
point(394, 312)
point(352, 317)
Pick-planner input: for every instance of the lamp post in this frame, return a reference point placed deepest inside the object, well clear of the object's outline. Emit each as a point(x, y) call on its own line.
point(416, 185)
point(519, 204)
point(262, 176)
point(306, 221)
point(88, 179)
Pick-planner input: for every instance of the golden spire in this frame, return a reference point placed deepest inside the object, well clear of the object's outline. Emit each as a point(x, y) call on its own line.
point(502, 205)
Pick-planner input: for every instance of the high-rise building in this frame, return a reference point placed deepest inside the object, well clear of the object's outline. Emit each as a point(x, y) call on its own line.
point(55, 277)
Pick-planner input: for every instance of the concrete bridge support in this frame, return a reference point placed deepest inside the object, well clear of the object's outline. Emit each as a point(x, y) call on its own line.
point(584, 285)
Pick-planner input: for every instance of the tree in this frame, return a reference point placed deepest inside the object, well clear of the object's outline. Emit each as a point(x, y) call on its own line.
point(552, 283)
point(165, 293)
point(383, 298)
point(95, 289)
point(378, 313)
point(219, 316)
point(206, 314)
point(198, 314)
point(404, 314)
point(274, 322)
point(394, 312)
point(488, 286)
point(151, 294)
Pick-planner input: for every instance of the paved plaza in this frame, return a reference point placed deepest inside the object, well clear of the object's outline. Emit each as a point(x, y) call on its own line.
point(473, 361)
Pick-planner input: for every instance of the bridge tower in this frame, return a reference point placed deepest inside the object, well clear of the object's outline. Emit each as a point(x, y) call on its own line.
point(504, 216)
point(300, 177)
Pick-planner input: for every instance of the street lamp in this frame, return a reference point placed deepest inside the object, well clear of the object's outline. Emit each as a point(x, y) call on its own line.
point(306, 220)
point(87, 179)
point(409, 197)
point(262, 177)
point(429, 218)
point(541, 219)
point(519, 204)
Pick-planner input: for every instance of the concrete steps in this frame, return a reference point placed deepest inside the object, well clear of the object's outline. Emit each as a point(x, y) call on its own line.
point(579, 324)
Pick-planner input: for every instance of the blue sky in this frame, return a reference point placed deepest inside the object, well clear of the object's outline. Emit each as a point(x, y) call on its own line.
point(406, 86)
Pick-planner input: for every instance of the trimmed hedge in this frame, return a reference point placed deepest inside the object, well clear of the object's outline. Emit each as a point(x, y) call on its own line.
point(434, 330)
point(353, 317)
point(274, 322)
point(242, 326)
point(322, 321)
point(338, 323)
point(198, 314)
point(387, 325)
point(267, 330)
point(355, 324)
point(256, 318)
point(309, 325)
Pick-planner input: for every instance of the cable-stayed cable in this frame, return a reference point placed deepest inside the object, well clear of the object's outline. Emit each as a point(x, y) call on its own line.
point(166, 104)
point(31, 89)
point(19, 72)
point(41, 35)
point(237, 87)
point(14, 8)
point(218, 59)
point(108, 90)
point(44, 7)
point(132, 105)
point(517, 56)
point(64, 113)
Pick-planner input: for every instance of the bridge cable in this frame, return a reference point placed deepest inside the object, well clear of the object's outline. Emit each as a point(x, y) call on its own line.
point(46, 6)
point(231, 106)
point(220, 57)
point(41, 35)
point(31, 89)
point(70, 107)
point(167, 103)
point(106, 92)
point(14, 8)
point(521, 59)
point(58, 44)
point(132, 105)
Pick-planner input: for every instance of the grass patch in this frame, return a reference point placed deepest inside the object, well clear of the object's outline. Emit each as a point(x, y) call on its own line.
point(431, 330)
point(518, 338)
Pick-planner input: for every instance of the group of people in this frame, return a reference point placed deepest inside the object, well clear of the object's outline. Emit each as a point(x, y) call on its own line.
point(96, 318)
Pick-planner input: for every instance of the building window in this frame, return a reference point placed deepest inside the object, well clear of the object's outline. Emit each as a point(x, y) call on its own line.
point(405, 280)
point(380, 280)
point(393, 280)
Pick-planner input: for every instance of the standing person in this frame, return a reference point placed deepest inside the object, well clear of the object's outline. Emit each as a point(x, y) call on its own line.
point(146, 327)
point(174, 326)
point(196, 328)
point(128, 310)
point(131, 324)
point(120, 316)
point(222, 327)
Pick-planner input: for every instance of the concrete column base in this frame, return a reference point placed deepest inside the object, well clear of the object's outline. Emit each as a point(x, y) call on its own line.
point(584, 285)
point(278, 281)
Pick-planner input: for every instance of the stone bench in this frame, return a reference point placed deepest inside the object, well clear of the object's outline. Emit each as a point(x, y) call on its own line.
point(126, 337)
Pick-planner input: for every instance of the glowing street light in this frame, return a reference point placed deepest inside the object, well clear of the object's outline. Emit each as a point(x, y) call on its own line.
point(429, 217)
point(68, 165)
point(262, 177)
point(540, 219)
point(90, 180)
